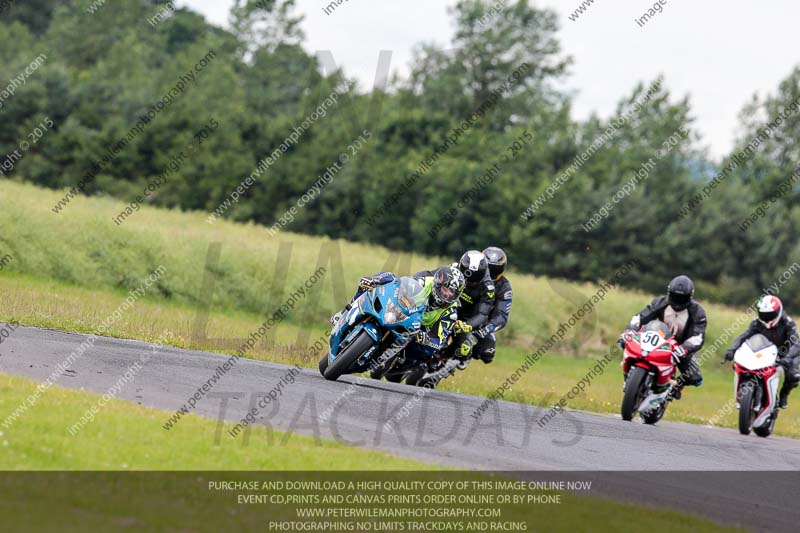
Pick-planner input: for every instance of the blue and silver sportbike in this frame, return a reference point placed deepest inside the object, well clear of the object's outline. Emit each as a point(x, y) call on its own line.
point(378, 325)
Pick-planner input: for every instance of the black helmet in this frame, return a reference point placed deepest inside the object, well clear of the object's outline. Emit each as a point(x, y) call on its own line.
point(680, 292)
point(448, 284)
point(497, 260)
point(473, 265)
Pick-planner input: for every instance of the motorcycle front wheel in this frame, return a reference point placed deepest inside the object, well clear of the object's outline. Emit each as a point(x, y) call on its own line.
point(349, 355)
point(747, 406)
point(634, 393)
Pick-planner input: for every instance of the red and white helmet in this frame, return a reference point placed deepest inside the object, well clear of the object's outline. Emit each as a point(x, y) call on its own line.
point(770, 310)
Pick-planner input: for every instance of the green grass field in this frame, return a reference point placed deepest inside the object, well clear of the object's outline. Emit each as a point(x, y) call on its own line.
point(70, 271)
point(127, 437)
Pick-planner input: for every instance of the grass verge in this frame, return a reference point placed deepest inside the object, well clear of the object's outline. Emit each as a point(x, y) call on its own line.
point(56, 305)
point(126, 437)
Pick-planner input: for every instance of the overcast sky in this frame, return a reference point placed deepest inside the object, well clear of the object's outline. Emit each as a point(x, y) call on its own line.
point(719, 52)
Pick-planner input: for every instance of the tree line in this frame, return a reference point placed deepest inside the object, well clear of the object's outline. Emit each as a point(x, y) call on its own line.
point(490, 101)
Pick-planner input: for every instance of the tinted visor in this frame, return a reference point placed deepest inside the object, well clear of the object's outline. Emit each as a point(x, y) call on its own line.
point(496, 270)
point(768, 316)
point(679, 301)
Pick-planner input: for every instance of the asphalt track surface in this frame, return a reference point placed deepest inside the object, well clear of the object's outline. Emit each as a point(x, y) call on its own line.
point(670, 465)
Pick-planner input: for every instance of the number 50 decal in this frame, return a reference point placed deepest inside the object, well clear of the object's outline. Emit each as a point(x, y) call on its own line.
point(651, 340)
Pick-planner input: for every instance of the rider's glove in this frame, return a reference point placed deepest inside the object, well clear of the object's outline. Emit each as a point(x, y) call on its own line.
point(482, 333)
point(728, 356)
point(462, 327)
point(624, 337)
point(635, 322)
point(367, 282)
point(678, 353)
point(422, 337)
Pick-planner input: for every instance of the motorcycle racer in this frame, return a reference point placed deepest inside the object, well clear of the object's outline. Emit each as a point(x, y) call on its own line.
point(501, 305)
point(475, 303)
point(687, 320)
point(441, 288)
point(781, 330)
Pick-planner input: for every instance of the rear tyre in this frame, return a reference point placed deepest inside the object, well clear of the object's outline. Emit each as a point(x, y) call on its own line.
point(633, 392)
point(414, 376)
point(349, 355)
point(654, 415)
point(766, 429)
point(387, 370)
point(747, 399)
point(428, 382)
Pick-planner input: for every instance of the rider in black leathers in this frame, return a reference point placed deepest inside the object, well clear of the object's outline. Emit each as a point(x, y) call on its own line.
point(687, 320)
point(501, 306)
point(781, 330)
point(475, 303)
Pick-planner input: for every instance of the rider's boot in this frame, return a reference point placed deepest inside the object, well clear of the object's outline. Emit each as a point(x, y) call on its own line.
point(677, 390)
point(789, 383)
point(783, 402)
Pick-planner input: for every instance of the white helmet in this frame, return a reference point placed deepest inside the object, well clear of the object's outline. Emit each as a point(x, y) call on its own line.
point(770, 310)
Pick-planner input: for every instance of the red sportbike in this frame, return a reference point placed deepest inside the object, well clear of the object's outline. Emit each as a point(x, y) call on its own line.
point(756, 385)
point(649, 364)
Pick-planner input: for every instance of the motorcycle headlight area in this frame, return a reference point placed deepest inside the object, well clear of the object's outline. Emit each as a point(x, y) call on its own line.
point(393, 314)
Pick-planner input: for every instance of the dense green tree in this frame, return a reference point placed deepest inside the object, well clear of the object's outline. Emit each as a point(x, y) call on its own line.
point(418, 180)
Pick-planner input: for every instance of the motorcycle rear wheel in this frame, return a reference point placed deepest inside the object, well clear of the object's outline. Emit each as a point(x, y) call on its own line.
point(633, 392)
point(413, 377)
point(388, 371)
point(766, 429)
point(428, 382)
point(654, 415)
point(394, 378)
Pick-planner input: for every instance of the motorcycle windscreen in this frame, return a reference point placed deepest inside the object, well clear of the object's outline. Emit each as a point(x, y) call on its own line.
point(758, 342)
point(659, 327)
point(410, 294)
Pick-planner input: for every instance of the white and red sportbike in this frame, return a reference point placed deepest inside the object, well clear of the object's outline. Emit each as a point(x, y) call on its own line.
point(756, 385)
